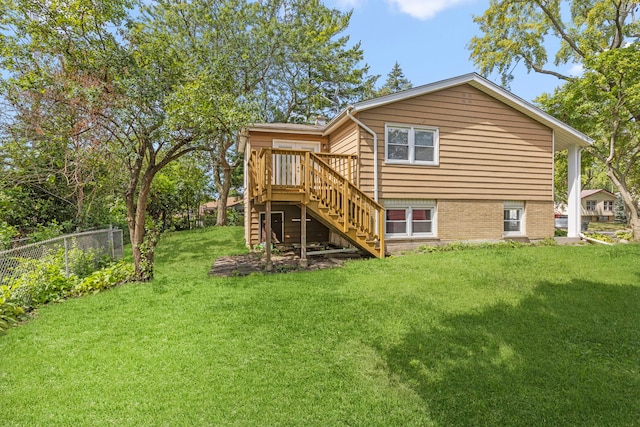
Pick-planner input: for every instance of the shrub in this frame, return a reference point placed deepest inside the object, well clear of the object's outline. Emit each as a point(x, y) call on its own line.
point(40, 281)
point(107, 277)
point(10, 313)
point(7, 233)
point(602, 237)
point(560, 232)
point(624, 235)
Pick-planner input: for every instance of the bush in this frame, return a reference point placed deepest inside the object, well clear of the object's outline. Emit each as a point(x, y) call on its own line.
point(7, 233)
point(10, 313)
point(112, 275)
point(560, 232)
point(39, 281)
point(624, 235)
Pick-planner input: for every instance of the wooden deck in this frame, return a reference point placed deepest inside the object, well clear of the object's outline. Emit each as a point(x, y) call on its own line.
point(321, 183)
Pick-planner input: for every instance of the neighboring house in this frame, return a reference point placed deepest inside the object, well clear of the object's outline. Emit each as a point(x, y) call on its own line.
point(210, 208)
point(596, 206)
point(459, 159)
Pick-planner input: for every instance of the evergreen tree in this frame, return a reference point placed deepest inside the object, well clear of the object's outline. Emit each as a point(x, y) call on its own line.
point(619, 213)
point(396, 81)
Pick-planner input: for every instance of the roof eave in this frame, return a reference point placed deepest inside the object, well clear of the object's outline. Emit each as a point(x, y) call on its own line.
point(565, 135)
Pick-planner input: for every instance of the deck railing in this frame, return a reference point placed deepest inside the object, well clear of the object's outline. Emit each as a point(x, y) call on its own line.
point(274, 170)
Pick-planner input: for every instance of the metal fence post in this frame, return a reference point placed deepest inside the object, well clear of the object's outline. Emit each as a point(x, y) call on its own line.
point(66, 258)
point(111, 245)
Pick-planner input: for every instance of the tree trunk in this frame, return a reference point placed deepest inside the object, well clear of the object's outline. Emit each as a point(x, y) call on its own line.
point(222, 178)
point(223, 191)
point(630, 205)
point(136, 213)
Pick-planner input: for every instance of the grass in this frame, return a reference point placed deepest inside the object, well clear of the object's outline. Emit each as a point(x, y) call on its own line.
point(503, 336)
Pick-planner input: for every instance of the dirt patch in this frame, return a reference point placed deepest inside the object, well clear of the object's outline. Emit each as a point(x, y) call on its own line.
point(245, 264)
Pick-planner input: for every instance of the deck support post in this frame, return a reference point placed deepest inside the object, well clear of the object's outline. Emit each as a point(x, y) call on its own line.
point(303, 236)
point(267, 237)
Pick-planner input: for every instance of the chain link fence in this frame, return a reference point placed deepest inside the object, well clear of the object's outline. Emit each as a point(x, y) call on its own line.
point(99, 243)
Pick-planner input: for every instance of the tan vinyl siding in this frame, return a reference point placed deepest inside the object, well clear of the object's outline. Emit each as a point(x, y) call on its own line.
point(259, 140)
point(487, 150)
point(345, 139)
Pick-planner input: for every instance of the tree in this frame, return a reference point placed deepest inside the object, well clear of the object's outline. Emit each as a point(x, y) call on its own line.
point(315, 72)
point(50, 142)
point(604, 101)
point(396, 82)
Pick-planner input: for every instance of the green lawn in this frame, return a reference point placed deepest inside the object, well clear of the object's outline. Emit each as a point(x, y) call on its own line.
point(514, 337)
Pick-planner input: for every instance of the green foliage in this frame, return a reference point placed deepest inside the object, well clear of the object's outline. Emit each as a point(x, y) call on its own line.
point(396, 82)
point(105, 278)
point(623, 235)
point(463, 246)
point(602, 237)
point(10, 313)
point(52, 278)
point(560, 232)
point(39, 281)
point(234, 218)
point(619, 213)
point(46, 232)
point(7, 233)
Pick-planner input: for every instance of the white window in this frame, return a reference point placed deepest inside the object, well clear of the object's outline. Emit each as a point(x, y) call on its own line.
point(591, 205)
point(513, 218)
point(608, 205)
point(410, 221)
point(411, 145)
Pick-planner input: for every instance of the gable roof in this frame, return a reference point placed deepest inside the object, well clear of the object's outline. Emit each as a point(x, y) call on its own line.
point(564, 135)
point(587, 193)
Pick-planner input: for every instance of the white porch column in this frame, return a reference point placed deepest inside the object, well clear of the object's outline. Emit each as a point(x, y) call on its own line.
point(574, 210)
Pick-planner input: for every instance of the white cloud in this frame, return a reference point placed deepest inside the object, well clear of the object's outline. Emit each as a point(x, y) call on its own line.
point(424, 9)
point(576, 70)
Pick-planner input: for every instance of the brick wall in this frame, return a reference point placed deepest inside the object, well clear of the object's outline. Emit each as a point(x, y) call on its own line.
point(470, 220)
point(480, 220)
point(539, 222)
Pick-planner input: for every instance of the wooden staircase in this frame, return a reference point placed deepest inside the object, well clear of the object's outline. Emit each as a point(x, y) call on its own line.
point(314, 180)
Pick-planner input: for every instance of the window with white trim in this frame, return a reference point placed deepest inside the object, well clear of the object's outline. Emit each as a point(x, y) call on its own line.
point(591, 205)
point(411, 145)
point(409, 221)
point(608, 205)
point(513, 218)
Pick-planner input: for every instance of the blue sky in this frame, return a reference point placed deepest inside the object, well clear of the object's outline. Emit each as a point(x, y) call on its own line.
point(429, 40)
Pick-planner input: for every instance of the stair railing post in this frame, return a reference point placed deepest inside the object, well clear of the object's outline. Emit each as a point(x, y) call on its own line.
point(345, 205)
point(269, 172)
point(307, 177)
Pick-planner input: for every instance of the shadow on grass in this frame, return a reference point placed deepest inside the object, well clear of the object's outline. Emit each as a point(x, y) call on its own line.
point(567, 355)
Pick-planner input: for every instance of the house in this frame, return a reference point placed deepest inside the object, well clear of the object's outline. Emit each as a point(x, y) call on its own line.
point(596, 206)
point(459, 159)
point(233, 202)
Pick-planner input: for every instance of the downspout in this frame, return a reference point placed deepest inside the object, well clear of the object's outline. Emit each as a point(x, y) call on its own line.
point(375, 151)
